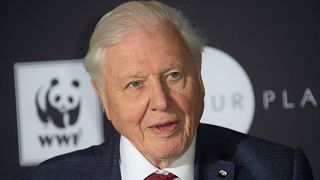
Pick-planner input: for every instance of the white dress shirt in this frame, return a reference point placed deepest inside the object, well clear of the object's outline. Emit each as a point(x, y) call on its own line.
point(134, 166)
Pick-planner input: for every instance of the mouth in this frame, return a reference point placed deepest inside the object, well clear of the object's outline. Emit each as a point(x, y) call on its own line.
point(164, 129)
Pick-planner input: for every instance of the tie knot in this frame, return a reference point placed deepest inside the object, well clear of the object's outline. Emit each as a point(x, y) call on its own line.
point(156, 176)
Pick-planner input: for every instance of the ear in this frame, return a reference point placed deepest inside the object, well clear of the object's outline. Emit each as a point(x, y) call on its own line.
point(96, 88)
point(200, 77)
point(101, 93)
point(201, 84)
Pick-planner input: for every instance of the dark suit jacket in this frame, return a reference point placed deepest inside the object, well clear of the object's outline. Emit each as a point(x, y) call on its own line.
point(241, 156)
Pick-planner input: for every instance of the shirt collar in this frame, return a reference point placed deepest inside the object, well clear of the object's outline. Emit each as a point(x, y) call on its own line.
point(133, 164)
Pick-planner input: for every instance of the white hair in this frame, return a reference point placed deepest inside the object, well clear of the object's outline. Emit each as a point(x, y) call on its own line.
point(118, 23)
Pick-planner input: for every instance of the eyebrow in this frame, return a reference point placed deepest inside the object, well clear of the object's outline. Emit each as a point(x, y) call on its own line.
point(138, 74)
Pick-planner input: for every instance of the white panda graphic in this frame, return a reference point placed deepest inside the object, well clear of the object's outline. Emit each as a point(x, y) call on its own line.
point(62, 104)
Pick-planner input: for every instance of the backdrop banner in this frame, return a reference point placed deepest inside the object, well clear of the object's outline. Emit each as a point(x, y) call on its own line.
point(260, 69)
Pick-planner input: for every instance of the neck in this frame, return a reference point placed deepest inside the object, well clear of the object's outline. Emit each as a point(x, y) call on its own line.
point(161, 164)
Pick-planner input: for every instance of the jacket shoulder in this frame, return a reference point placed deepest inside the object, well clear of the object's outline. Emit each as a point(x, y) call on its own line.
point(253, 157)
point(232, 141)
point(92, 162)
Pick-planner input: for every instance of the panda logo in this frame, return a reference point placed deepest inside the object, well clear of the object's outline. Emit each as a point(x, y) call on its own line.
point(60, 103)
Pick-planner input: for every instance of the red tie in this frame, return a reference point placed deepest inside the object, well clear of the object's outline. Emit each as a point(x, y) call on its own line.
point(155, 176)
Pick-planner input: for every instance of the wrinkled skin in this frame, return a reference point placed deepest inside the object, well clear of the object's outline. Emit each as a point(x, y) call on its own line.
point(152, 92)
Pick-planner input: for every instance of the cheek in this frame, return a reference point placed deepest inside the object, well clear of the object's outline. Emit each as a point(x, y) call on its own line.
point(190, 101)
point(126, 115)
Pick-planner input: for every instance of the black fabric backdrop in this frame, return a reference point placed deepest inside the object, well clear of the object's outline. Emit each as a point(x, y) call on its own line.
point(276, 42)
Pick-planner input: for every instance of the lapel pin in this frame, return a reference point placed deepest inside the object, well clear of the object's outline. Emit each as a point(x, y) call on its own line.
point(222, 173)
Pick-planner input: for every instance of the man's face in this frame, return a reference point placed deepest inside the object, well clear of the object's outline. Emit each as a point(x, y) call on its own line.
point(153, 93)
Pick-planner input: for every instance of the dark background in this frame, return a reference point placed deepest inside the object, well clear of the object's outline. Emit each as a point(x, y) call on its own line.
point(276, 42)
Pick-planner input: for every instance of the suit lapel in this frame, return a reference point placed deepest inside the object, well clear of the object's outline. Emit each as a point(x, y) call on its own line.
point(216, 170)
point(211, 156)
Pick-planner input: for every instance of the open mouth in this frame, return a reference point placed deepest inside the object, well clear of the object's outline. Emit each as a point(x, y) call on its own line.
point(165, 129)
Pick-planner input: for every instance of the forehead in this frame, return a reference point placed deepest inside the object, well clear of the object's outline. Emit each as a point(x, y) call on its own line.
point(147, 49)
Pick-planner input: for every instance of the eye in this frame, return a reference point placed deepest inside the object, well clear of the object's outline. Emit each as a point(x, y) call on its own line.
point(135, 84)
point(174, 76)
point(70, 99)
point(57, 98)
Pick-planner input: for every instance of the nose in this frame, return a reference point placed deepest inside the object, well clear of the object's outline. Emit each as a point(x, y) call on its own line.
point(159, 96)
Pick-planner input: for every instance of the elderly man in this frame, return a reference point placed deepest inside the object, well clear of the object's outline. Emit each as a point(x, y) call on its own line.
point(145, 61)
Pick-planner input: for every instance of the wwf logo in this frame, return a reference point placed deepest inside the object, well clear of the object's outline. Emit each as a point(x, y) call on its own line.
point(59, 103)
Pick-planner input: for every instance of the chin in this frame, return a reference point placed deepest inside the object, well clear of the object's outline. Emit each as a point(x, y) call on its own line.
point(169, 153)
